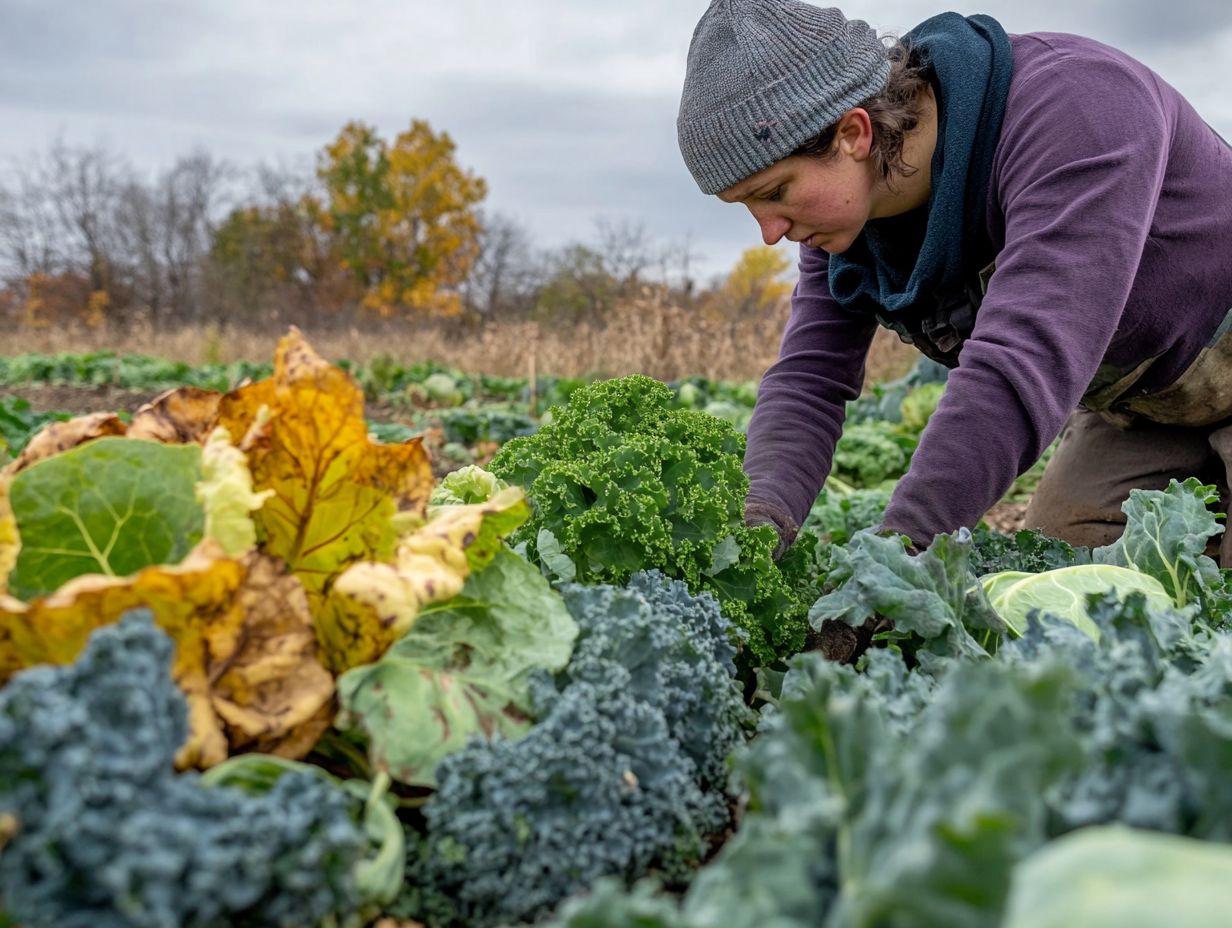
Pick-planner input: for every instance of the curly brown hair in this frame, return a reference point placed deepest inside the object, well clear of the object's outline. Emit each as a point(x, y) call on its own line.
point(894, 112)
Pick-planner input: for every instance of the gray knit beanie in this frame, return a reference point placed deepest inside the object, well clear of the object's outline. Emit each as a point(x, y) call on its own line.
point(765, 76)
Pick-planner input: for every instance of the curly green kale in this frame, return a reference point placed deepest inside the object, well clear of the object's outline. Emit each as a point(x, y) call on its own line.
point(623, 774)
point(621, 481)
point(870, 453)
point(108, 834)
point(1027, 549)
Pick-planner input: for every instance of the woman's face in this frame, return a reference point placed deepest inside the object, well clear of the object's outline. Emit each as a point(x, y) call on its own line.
point(818, 201)
point(805, 199)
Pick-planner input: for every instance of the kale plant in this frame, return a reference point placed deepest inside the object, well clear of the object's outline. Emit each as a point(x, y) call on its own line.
point(621, 481)
point(107, 834)
point(623, 774)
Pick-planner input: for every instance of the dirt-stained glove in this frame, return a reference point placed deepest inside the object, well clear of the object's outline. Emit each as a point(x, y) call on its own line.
point(844, 643)
point(759, 512)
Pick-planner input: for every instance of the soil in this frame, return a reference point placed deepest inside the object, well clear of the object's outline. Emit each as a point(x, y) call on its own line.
point(44, 397)
point(1006, 517)
point(78, 398)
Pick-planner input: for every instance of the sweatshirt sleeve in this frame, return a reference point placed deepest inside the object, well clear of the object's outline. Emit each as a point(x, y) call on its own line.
point(1080, 166)
point(803, 397)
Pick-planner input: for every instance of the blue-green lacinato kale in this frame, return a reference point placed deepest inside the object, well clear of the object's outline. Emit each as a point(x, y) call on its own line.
point(624, 772)
point(107, 834)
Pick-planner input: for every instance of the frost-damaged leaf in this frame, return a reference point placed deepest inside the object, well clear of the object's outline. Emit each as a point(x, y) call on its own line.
point(111, 506)
point(177, 417)
point(225, 491)
point(245, 651)
point(460, 671)
point(372, 604)
point(60, 436)
point(335, 491)
point(273, 696)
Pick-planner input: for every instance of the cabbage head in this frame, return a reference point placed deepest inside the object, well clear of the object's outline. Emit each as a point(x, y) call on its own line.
point(1063, 592)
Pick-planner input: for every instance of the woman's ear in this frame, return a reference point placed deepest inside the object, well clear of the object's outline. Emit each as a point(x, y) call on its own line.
point(854, 133)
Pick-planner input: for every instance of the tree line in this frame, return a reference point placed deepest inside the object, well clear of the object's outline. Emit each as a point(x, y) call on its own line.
point(378, 229)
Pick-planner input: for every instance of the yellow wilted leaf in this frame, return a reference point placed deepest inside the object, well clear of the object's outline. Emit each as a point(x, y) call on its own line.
point(372, 605)
point(245, 652)
point(12, 611)
point(60, 436)
point(274, 696)
point(335, 491)
point(177, 417)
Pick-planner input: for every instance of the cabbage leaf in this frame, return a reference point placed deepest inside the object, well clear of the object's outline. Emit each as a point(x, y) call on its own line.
point(1064, 592)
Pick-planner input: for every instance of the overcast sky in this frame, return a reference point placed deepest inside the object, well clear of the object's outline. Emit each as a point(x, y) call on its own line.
point(566, 107)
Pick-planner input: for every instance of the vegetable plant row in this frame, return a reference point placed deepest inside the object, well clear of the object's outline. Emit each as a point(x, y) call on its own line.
point(260, 667)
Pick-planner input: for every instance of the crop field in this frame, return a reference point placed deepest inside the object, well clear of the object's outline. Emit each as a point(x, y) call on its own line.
point(307, 643)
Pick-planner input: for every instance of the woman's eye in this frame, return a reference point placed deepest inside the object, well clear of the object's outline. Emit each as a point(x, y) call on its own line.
point(775, 195)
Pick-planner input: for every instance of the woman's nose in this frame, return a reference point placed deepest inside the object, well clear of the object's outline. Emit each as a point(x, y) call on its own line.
point(773, 228)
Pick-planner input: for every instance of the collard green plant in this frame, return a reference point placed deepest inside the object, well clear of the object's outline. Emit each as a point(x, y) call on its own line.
point(933, 599)
point(19, 423)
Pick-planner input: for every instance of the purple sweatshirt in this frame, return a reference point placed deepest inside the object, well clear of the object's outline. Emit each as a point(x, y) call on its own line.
point(1110, 205)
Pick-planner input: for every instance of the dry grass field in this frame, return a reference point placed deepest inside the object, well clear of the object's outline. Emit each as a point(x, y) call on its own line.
point(666, 342)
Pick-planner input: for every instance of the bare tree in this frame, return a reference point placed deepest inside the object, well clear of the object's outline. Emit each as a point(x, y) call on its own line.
point(85, 185)
point(189, 198)
point(626, 248)
point(31, 236)
point(504, 275)
point(676, 268)
point(140, 242)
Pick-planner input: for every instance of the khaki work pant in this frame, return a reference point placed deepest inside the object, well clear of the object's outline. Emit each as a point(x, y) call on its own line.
point(1097, 463)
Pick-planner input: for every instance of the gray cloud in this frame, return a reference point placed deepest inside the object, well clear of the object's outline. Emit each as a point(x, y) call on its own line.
point(567, 109)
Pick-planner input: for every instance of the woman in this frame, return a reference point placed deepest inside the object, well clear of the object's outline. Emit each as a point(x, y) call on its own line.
point(1042, 213)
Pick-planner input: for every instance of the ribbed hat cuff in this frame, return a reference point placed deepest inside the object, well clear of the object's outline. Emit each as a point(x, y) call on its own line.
point(739, 142)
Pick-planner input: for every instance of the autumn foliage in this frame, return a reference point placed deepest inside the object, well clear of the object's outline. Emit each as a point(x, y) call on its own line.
point(389, 227)
point(402, 216)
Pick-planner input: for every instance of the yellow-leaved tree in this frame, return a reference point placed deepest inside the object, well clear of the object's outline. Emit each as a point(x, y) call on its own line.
point(756, 283)
point(402, 215)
